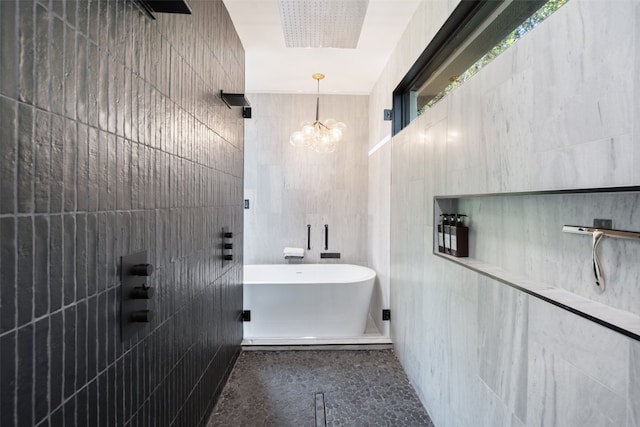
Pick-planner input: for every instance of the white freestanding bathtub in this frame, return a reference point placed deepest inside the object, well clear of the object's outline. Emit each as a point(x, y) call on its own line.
point(290, 303)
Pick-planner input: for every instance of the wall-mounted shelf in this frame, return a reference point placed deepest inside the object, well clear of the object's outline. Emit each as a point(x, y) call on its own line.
point(237, 100)
point(537, 235)
point(164, 6)
point(619, 320)
point(234, 99)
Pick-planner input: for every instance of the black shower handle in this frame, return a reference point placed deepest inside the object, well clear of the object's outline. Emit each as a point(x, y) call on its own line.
point(308, 237)
point(326, 237)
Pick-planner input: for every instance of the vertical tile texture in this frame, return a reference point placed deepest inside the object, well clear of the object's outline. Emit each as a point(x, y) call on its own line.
point(519, 125)
point(289, 187)
point(112, 141)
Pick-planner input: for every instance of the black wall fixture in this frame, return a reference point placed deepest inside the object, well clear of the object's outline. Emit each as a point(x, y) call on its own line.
point(237, 100)
point(325, 255)
point(136, 304)
point(234, 99)
point(165, 6)
point(227, 246)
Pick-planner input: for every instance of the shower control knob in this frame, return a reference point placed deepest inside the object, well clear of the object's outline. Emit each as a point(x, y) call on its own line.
point(143, 316)
point(142, 292)
point(142, 270)
point(228, 257)
point(228, 235)
point(228, 245)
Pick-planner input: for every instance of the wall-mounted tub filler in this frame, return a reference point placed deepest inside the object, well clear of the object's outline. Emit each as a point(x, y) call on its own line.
point(598, 234)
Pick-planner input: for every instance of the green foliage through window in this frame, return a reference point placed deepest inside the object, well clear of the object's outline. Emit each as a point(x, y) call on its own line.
point(530, 23)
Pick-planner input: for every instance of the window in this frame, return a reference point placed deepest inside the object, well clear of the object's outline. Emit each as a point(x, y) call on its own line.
point(476, 32)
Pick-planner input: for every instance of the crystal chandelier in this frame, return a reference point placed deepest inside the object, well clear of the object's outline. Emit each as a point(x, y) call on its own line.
point(322, 137)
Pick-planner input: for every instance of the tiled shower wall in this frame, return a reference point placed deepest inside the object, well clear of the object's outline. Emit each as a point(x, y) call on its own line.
point(289, 187)
point(557, 110)
point(379, 188)
point(113, 141)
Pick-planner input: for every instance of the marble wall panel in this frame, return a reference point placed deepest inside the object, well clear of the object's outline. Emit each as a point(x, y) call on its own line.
point(502, 343)
point(556, 111)
point(560, 394)
point(594, 350)
point(378, 234)
point(291, 187)
point(413, 41)
point(633, 413)
point(433, 345)
point(491, 412)
point(568, 166)
point(635, 174)
point(524, 235)
point(462, 343)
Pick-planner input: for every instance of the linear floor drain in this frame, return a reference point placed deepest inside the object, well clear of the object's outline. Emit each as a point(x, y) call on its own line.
point(321, 416)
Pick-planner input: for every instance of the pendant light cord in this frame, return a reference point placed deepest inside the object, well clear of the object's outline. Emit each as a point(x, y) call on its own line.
point(318, 102)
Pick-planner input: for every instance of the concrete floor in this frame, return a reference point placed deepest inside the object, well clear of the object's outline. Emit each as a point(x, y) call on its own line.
point(318, 388)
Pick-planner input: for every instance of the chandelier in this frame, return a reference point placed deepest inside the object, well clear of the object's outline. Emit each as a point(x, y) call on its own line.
point(322, 137)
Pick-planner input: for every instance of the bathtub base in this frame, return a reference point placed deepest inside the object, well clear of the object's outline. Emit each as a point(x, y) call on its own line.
point(370, 340)
point(332, 347)
point(357, 341)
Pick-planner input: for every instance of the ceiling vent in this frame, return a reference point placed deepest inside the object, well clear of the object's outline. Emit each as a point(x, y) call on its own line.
point(322, 23)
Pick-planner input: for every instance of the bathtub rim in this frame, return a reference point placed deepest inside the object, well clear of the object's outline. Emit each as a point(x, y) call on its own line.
point(370, 273)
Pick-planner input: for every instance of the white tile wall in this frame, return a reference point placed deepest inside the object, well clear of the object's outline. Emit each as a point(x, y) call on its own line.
point(633, 412)
point(379, 232)
point(558, 110)
point(291, 187)
point(502, 343)
point(416, 37)
point(523, 235)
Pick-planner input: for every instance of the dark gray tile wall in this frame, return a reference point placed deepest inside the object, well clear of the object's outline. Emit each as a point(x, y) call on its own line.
point(112, 141)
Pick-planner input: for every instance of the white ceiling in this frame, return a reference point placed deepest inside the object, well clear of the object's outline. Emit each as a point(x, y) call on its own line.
point(271, 67)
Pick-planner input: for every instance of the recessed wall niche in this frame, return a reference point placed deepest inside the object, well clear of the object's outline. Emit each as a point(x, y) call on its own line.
point(518, 239)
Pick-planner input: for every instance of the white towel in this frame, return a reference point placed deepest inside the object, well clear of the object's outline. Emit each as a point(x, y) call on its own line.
point(294, 252)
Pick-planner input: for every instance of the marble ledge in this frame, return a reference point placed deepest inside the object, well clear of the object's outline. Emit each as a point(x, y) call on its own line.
point(618, 320)
point(356, 343)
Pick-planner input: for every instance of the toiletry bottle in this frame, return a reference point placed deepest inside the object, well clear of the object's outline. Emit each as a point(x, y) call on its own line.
point(453, 236)
point(441, 232)
point(448, 221)
point(452, 233)
point(459, 237)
